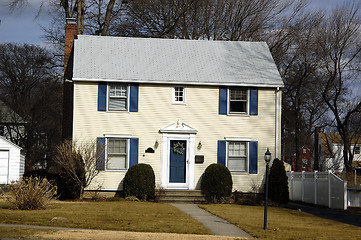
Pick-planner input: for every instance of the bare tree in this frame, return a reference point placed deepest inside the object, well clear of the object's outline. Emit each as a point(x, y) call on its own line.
point(202, 19)
point(93, 16)
point(79, 162)
point(293, 46)
point(30, 87)
point(339, 45)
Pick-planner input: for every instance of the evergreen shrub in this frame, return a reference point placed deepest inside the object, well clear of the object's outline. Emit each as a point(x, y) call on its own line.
point(216, 183)
point(139, 182)
point(278, 183)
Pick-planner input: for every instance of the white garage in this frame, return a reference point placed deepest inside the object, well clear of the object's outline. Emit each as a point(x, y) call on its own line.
point(12, 162)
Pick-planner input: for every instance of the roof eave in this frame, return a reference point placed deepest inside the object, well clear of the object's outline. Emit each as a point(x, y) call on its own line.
point(243, 84)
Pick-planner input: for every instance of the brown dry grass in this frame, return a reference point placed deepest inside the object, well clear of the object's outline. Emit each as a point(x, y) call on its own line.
point(102, 234)
point(283, 223)
point(119, 215)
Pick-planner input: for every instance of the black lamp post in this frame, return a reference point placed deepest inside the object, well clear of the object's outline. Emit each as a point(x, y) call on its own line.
point(267, 158)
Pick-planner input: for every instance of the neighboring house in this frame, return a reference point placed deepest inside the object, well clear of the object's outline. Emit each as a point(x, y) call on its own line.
point(305, 164)
point(331, 152)
point(12, 162)
point(178, 105)
point(12, 126)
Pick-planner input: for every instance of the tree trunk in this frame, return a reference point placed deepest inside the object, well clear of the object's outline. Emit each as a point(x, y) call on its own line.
point(107, 19)
point(80, 16)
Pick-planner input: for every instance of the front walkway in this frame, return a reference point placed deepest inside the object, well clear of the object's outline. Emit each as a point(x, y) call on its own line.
point(217, 225)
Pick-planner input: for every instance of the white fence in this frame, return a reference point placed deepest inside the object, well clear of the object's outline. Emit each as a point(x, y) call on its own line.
point(354, 197)
point(322, 188)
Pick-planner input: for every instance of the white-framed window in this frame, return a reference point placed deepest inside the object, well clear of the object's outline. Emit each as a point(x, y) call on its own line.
point(238, 100)
point(118, 97)
point(304, 163)
point(237, 156)
point(117, 153)
point(357, 150)
point(179, 95)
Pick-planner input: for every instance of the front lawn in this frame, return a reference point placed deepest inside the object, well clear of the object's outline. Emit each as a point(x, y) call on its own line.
point(283, 223)
point(117, 215)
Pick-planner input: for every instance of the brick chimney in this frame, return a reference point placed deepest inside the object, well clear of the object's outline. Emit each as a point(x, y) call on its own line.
point(70, 34)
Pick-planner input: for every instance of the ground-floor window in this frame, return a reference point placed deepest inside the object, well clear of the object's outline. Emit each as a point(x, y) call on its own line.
point(117, 152)
point(237, 156)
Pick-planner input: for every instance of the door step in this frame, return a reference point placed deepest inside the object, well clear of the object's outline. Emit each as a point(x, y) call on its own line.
point(180, 196)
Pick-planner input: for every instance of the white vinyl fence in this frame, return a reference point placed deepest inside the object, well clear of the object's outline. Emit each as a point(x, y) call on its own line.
point(322, 188)
point(354, 197)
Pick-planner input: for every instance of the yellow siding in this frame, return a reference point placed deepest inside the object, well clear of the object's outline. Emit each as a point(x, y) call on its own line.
point(157, 111)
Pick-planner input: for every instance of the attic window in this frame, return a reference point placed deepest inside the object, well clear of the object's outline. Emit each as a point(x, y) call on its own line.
point(179, 96)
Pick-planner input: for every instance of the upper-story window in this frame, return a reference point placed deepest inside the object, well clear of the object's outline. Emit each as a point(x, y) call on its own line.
point(179, 95)
point(117, 151)
point(118, 97)
point(237, 156)
point(238, 100)
point(357, 150)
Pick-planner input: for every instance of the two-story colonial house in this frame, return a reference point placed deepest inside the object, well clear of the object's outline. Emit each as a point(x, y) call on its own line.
point(331, 148)
point(177, 105)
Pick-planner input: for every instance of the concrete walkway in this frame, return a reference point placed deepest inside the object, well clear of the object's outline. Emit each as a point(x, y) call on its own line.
point(217, 225)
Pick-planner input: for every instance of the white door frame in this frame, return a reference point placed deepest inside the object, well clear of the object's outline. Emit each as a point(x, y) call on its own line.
point(190, 152)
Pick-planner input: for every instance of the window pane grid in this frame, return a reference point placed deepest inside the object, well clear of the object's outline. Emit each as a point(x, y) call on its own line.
point(118, 91)
point(238, 95)
point(179, 94)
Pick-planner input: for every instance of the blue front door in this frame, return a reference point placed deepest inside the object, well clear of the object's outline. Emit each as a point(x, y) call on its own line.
point(177, 169)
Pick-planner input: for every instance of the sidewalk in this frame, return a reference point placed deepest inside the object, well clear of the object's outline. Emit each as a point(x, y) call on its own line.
point(217, 225)
point(327, 213)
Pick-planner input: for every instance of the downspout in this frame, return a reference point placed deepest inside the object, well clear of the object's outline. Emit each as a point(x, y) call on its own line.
point(277, 123)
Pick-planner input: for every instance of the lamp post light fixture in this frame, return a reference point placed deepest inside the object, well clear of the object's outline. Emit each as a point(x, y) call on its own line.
point(267, 158)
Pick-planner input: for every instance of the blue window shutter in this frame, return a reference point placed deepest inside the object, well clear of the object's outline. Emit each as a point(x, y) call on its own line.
point(102, 96)
point(222, 152)
point(100, 153)
point(253, 157)
point(134, 145)
point(223, 100)
point(134, 95)
point(253, 105)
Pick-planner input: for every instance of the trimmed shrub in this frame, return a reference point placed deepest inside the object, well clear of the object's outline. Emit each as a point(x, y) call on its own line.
point(278, 183)
point(31, 193)
point(216, 183)
point(139, 182)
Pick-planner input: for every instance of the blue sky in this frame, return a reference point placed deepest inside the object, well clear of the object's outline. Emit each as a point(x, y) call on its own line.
point(21, 27)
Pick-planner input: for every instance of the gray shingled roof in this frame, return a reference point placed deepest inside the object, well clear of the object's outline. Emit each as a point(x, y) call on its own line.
point(174, 61)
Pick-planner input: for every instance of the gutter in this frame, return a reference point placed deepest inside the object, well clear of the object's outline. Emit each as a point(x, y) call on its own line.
point(277, 123)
